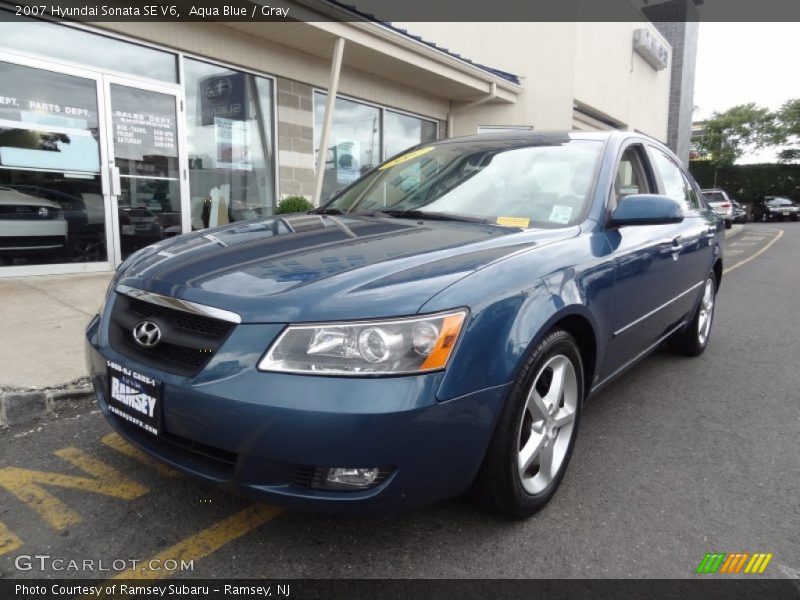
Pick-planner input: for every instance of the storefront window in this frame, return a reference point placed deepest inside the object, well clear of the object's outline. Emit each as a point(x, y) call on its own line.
point(70, 44)
point(358, 133)
point(403, 131)
point(354, 141)
point(230, 144)
point(51, 202)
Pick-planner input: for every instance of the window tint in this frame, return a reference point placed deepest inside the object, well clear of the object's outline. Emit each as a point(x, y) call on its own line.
point(675, 184)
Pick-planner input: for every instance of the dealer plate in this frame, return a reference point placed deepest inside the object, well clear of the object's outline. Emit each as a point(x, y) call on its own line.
point(134, 397)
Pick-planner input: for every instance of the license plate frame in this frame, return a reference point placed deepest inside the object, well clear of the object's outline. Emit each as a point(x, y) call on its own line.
point(135, 398)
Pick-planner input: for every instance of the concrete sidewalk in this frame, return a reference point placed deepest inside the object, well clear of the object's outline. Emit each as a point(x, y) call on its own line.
point(43, 320)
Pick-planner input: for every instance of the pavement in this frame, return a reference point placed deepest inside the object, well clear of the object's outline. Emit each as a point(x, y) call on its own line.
point(44, 319)
point(679, 458)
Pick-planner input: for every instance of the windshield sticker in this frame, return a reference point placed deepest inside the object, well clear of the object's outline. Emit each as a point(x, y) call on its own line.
point(513, 221)
point(560, 214)
point(405, 157)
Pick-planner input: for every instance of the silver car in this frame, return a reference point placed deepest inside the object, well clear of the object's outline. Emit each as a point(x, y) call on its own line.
point(722, 205)
point(30, 224)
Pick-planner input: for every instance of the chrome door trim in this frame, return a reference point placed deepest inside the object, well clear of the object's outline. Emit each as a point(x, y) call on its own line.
point(655, 310)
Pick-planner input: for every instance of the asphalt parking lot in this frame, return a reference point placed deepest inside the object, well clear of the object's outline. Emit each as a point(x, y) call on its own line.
point(679, 458)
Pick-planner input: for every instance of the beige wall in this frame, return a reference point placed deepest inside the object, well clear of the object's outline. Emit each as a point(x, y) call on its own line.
point(559, 63)
point(616, 81)
point(218, 42)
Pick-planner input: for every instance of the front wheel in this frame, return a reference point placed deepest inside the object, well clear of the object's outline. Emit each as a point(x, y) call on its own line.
point(535, 434)
point(693, 340)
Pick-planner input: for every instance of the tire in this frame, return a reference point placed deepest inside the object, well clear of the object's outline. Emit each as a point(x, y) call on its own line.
point(524, 432)
point(728, 224)
point(693, 340)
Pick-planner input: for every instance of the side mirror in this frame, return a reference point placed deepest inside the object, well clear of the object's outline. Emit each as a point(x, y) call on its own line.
point(646, 209)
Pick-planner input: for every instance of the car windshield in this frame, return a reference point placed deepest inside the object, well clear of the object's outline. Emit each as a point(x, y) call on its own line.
point(714, 196)
point(507, 182)
point(779, 202)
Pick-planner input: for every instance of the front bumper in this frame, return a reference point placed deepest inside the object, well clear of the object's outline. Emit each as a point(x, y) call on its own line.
point(252, 432)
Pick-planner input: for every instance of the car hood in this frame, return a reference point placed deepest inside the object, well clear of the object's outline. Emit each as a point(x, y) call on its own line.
point(310, 267)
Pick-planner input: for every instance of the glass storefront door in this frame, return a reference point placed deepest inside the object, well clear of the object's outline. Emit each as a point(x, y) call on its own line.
point(91, 167)
point(144, 164)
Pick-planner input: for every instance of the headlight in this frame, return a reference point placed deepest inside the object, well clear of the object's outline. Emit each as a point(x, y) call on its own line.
point(390, 347)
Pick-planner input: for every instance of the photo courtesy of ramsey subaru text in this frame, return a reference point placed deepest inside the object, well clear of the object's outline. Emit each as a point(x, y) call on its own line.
point(433, 329)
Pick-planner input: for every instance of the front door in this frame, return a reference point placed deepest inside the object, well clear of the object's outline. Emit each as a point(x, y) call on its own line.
point(143, 133)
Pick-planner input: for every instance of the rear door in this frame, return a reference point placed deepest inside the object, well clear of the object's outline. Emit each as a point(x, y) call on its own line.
point(697, 232)
point(646, 266)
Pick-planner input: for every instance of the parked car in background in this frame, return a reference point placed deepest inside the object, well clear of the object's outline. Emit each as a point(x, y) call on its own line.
point(434, 327)
point(775, 208)
point(30, 225)
point(739, 212)
point(721, 203)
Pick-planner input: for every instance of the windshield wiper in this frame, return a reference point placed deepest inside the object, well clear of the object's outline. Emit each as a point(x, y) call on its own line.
point(431, 216)
point(326, 211)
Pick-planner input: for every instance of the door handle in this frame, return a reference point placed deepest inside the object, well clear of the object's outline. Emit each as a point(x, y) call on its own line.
point(677, 246)
point(711, 232)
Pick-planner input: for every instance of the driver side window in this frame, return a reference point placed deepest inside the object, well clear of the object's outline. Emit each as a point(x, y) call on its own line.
point(630, 178)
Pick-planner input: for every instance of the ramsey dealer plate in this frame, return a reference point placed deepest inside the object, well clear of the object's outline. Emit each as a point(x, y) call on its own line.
point(134, 397)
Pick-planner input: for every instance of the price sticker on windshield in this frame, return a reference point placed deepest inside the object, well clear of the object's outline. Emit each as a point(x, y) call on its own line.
point(405, 157)
point(513, 221)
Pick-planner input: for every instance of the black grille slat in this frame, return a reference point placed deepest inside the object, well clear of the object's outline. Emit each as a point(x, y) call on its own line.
point(188, 340)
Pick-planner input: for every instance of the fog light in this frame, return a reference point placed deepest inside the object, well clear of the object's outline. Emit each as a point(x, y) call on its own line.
point(351, 478)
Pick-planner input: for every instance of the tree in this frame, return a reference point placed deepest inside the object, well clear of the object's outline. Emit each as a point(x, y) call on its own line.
point(728, 135)
point(788, 130)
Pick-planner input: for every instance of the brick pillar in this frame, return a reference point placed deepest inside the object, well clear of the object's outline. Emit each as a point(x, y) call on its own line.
point(295, 138)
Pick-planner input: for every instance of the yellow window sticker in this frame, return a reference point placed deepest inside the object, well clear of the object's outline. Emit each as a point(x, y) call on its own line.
point(513, 221)
point(405, 157)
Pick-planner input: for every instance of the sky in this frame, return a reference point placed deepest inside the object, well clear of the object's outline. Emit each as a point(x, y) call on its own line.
point(739, 63)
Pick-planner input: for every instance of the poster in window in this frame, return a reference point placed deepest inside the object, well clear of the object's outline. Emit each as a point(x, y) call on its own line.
point(223, 97)
point(232, 140)
point(347, 155)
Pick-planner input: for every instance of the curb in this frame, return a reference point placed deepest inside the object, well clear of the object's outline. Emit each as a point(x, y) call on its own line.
point(21, 406)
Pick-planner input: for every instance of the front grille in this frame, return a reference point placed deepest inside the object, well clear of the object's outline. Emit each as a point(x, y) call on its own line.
point(188, 341)
point(28, 213)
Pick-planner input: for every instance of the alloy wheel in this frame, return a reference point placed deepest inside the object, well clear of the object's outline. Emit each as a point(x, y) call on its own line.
point(706, 313)
point(547, 424)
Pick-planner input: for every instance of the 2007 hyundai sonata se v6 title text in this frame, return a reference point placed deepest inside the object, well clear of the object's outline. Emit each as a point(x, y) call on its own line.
point(435, 327)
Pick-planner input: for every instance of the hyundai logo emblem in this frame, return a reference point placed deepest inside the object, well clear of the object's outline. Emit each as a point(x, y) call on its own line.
point(147, 334)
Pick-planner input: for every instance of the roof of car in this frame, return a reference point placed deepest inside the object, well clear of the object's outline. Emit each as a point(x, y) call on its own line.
point(542, 137)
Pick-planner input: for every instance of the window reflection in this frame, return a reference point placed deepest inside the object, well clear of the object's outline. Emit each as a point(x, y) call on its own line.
point(357, 137)
point(404, 131)
point(67, 43)
point(51, 202)
point(229, 132)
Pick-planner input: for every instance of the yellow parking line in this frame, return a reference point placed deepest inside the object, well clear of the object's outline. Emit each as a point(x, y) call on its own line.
point(206, 542)
point(115, 441)
point(9, 541)
point(28, 486)
point(760, 252)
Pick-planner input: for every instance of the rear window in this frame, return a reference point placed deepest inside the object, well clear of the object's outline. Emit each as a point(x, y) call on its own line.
point(713, 196)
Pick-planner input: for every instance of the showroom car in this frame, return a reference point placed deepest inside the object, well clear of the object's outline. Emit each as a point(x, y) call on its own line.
point(434, 328)
point(772, 208)
point(29, 224)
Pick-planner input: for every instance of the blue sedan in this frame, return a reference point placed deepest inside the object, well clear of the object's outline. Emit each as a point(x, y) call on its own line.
point(435, 327)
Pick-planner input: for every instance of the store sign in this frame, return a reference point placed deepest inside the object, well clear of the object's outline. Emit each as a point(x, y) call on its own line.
point(223, 96)
point(647, 45)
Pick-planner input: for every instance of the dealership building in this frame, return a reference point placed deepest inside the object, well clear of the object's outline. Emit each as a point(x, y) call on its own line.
point(115, 135)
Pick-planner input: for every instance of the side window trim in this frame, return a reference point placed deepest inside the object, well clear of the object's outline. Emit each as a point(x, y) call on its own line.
point(644, 161)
